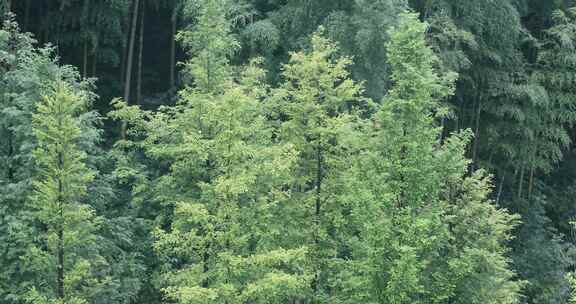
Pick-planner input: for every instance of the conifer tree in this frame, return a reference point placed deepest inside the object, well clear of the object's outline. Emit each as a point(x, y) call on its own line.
point(427, 232)
point(25, 73)
point(297, 190)
point(66, 254)
point(210, 44)
point(223, 181)
point(221, 230)
point(316, 104)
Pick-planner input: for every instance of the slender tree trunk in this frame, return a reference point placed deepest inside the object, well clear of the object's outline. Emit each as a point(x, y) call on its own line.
point(60, 245)
point(10, 173)
point(531, 182)
point(60, 266)
point(477, 131)
point(521, 181)
point(123, 59)
point(140, 54)
point(85, 59)
point(130, 55)
point(173, 50)
point(94, 62)
point(317, 212)
point(129, 59)
point(500, 190)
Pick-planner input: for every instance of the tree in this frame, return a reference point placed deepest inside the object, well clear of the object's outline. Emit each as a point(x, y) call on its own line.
point(210, 45)
point(556, 60)
point(25, 73)
point(130, 58)
point(218, 233)
point(502, 94)
point(314, 106)
point(67, 254)
point(413, 202)
point(223, 181)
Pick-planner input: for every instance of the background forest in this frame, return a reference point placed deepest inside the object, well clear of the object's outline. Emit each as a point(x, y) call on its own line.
point(287, 151)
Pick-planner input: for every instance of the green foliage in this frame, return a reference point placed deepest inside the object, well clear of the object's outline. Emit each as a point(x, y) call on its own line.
point(28, 74)
point(95, 27)
point(210, 44)
point(66, 251)
point(414, 204)
point(316, 103)
point(509, 67)
point(556, 61)
point(224, 183)
point(368, 25)
point(289, 186)
point(222, 144)
point(25, 74)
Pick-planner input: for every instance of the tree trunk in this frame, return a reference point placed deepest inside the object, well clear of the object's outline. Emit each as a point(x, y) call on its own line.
point(140, 54)
point(173, 50)
point(60, 265)
point(531, 182)
point(317, 212)
point(94, 62)
point(521, 181)
point(85, 59)
point(476, 132)
point(60, 245)
point(129, 59)
point(10, 173)
point(123, 59)
point(500, 190)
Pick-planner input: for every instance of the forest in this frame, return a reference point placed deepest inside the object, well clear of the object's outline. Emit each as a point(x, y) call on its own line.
point(287, 151)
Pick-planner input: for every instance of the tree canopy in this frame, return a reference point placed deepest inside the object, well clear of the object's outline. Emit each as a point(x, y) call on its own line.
point(273, 151)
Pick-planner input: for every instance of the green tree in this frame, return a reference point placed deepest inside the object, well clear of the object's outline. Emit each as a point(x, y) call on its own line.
point(210, 44)
point(221, 230)
point(66, 257)
point(25, 74)
point(222, 183)
point(315, 106)
point(16, 104)
point(413, 202)
point(505, 61)
point(556, 61)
